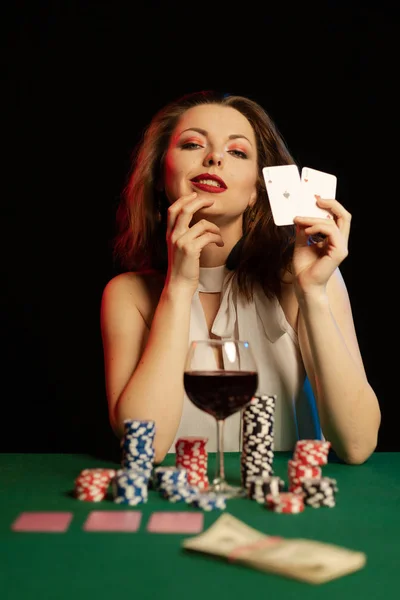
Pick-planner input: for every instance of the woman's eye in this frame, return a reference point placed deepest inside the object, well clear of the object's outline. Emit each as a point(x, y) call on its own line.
point(190, 145)
point(239, 153)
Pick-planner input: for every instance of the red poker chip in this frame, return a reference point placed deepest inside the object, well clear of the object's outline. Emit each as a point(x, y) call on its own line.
point(192, 455)
point(91, 485)
point(298, 469)
point(97, 474)
point(191, 439)
point(311, 459)
point(313, 445)
point(285, 502)
point(313, 452)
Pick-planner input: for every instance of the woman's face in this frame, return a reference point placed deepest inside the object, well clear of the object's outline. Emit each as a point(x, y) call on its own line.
point(213, 151)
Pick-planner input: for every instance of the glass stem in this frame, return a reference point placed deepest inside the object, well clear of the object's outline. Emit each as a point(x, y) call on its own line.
point(220, 474)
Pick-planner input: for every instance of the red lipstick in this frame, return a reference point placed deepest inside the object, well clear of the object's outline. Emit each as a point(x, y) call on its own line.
point(201, 182)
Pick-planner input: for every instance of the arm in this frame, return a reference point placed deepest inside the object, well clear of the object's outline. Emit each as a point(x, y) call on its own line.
point(348, 408)
point(144, 368)
point(144, 364)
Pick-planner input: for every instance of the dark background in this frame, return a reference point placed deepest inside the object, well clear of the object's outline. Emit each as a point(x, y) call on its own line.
point(81, 80)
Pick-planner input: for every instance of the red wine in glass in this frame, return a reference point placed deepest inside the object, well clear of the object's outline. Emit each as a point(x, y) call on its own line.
point(220, 378)
point(220, 393)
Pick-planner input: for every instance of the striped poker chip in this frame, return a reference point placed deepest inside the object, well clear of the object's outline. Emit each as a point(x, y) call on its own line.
point(285, 502)
point(320, 492)
point(98, 472)
point(298, 472)
point(169, 476)
point(130, 487)
point(260, 487)
point(191, 454)
point(132, 465)
point(257, 453)
point(259, 415)
point(92, 485)
point(130, 483)
point(210, 501)
point(312, 452)
point(137, 446)
point(180, 493)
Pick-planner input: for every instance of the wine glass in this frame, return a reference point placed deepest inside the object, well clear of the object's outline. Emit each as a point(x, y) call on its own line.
point(220, 378)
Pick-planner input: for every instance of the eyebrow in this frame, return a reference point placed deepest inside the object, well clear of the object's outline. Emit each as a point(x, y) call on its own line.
point(233, 136)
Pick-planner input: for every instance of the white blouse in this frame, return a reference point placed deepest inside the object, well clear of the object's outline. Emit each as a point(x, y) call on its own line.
point(280, 368)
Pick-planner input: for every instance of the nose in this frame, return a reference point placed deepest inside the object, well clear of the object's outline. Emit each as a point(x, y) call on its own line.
point(214, 158)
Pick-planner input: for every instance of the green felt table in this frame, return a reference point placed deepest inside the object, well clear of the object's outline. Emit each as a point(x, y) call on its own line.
point(98, 565)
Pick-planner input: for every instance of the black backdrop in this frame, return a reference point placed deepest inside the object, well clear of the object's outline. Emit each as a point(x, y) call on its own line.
point(81, 80)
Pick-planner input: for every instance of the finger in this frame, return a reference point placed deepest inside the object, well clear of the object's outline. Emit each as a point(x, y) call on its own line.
point(325, 227)
point(202, 226)
point(317, 229)
point(315, 222)
point(196, 245)
point(182, 211)
point(209, 238)
point(185, 215)
point(341, 215)
point(333, 236)
point(175, 207)
point(192, 233)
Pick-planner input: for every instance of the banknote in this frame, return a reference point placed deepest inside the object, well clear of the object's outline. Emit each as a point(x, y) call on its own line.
point(303, 559)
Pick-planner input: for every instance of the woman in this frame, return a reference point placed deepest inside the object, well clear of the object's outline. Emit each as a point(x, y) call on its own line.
point(202, 258)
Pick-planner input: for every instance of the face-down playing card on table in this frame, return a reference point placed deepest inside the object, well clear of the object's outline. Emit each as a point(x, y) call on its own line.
point(42, 521)
point(175, 522)
point(109, 520)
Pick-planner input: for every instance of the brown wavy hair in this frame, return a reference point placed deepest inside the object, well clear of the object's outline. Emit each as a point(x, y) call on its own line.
point(265, 250)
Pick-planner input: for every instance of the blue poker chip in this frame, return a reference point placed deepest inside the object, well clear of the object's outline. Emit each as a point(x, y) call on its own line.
point(180, 493)
point(164, 476)
point(210, 501)
point(130, 487)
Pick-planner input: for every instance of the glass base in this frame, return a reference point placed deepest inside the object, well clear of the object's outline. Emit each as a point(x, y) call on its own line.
point(225, 489)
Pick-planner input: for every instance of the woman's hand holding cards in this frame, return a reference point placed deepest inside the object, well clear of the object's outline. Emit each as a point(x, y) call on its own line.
point(314, 263)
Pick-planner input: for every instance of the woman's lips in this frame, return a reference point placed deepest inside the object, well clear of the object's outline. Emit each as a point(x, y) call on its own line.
point(204, 187)
point(209, 182)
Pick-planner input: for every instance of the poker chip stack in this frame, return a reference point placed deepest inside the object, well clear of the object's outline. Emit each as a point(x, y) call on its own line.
point(260, 487)
point(320, 492)
point(257, 453)
point(168, 476)
point(130, 486)
point(172, 483)
point(186, 482)
point(299, 472)
point(137, 445)
point(285, 502)
point(92, 485)
point(305, 474)
point(210, 501)
point(191, 454)
point(312, 452)
point(131, 483)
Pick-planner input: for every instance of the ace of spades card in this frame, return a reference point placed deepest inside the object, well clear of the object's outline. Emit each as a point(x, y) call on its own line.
point(283, 187)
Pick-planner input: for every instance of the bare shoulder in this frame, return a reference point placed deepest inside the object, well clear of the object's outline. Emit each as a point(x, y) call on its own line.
point(133, 291)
